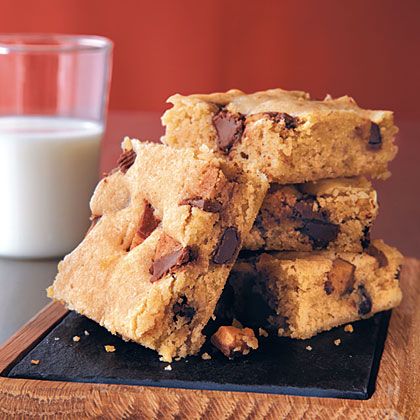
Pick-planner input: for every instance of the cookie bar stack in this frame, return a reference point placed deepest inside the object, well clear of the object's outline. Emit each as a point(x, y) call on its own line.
point(273, 173)
point(308, 256)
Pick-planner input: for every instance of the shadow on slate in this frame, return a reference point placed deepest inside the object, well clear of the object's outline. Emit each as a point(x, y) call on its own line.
point(280, 366)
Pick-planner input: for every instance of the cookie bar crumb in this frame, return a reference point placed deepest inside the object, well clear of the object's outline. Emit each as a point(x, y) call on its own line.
point(109, 348)
point(349, 328)
point(76, 338)
point(213, 317)
point(337, 342)
point(169, 367)
point(309, 348)
point(86, 333)
point(35, 362)
point(262, 332)
point(206, 356)
point(230, 340)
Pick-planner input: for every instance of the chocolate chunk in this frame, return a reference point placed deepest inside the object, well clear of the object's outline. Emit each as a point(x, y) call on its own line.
point(227, 247)
point(289, 121)
point(340, 278)
point(315, 223)
point(126, 160)
point(229, 127)
point(365, 241)
point(167, 262)
point(169, 255)
point(380, 256)
point(375, 138)
point(147, 224)
point(319, 232)
point(365, 301)
point(206, 204)
point(304, 209)
point(181, 309)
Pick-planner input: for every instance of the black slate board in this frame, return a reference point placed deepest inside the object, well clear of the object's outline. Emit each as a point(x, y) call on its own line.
point(280, 366)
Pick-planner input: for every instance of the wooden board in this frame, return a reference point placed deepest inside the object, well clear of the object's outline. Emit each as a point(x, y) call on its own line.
point(396, 395)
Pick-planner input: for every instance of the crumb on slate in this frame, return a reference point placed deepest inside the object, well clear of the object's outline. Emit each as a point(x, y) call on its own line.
point(337, 342)
point(213, 317)
point(309, 348)
point(109, 348)
point(56, 338)
point(205, 356)
point(76, 338)
point(35, 362)
point(86, 333)
point(262, 332)
point(169, 367)
point(349, 328)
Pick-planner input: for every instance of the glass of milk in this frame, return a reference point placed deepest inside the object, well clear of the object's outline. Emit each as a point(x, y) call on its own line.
point(53, 103)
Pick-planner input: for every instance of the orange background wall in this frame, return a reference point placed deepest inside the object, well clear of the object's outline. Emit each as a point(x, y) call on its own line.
point(369, 49)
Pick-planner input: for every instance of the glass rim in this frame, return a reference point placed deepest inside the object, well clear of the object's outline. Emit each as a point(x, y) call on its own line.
point(51, 43)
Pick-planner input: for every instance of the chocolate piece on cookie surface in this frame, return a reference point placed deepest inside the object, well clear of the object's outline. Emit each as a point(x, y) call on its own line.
point(171, 225)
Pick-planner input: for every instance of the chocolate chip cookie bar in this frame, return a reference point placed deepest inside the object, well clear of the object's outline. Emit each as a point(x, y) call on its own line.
point(301, 294)
point(167, 226)
point(285, 134)
point(333, 214)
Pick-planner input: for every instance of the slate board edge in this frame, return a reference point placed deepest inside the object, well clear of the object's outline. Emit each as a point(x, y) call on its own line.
point(213, 386)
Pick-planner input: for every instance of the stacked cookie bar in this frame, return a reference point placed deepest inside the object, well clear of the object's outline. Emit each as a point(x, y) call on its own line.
point(273, 173)
point(309, 264)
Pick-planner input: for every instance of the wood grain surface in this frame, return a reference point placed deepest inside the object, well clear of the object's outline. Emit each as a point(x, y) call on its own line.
point(396, 395)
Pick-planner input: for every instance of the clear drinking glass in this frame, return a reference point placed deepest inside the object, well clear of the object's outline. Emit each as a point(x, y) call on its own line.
point(53, 104)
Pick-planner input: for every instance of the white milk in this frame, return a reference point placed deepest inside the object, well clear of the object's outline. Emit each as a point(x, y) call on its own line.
point(48, 170)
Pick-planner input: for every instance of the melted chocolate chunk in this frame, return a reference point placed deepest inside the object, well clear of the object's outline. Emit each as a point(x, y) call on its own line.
point(229, 127)
point(364, 305)
point(375, 138)
point(319, 232)
point(206, 204)
point(289, 121)
point(181, 309)
point(380, 256)
point(169, 261)
point(365, 241)
point(227, 247)
point(126, 160)
point(147, 224)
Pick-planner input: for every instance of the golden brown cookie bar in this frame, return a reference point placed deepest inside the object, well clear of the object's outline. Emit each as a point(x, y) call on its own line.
point(302, 294)
point(168, 226)
point(334, 214)
point(285, 134)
